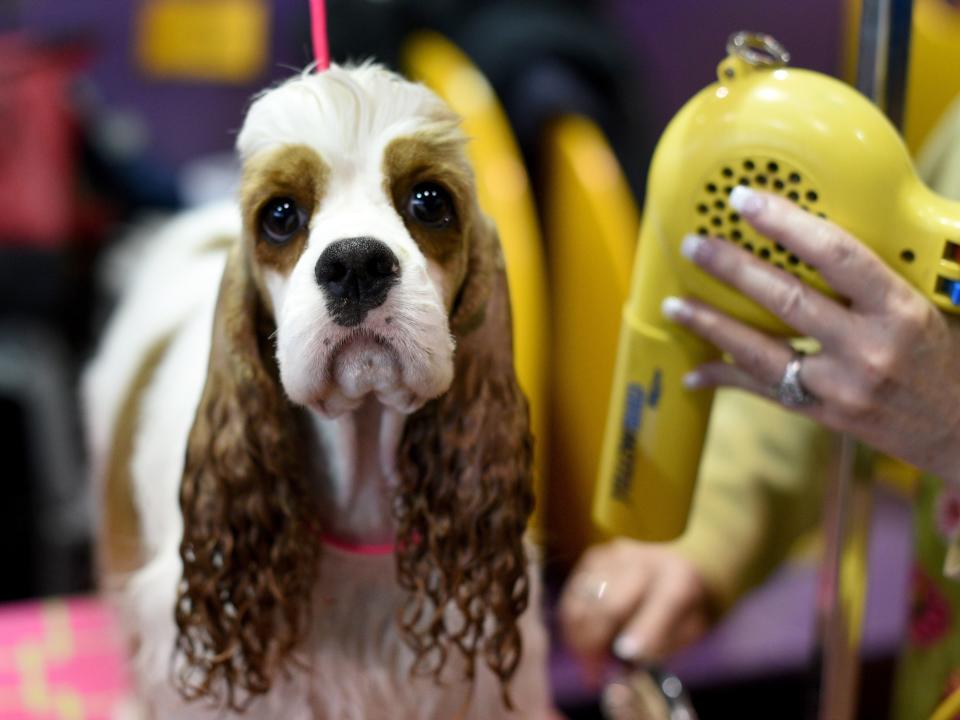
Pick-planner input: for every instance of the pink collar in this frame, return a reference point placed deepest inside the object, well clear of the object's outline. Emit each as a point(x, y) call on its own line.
point(358, 548)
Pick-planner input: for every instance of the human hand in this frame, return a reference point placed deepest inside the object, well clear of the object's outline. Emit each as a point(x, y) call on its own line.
point(889, 368)
point(643, 601)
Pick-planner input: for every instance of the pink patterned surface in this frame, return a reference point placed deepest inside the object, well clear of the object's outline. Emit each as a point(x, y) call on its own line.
point(59, 660)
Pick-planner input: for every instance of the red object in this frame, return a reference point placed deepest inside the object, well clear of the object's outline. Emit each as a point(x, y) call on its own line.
point(367, 550)
point(37, 144)
point(930, 620)
point(318, 30)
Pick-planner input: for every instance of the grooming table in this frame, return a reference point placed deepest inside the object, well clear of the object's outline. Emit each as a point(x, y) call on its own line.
point(59, 660)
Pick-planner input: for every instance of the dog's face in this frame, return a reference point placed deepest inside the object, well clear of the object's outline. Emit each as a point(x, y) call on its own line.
point(365, 268)
point(357, 221)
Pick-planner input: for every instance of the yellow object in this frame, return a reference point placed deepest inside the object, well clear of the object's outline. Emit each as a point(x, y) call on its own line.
point(759, 493)
point(796, 132)
point(591, 223)
point(938, 161)
point(932, 80)
point(504, 194)
point(932, 77)
point(896, 475)
point(949, 708)
point(854, 567)
point(212, 40)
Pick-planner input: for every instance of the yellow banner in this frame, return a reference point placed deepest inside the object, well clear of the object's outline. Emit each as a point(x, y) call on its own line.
point(209, 40)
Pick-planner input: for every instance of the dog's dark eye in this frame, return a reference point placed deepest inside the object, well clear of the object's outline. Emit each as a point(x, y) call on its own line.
point(281, 219)
point(431, 205)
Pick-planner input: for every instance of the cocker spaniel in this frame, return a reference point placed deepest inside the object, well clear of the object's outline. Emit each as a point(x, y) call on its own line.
point(315, 480)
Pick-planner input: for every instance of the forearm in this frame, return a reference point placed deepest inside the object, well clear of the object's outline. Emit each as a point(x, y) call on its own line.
point(759, 489)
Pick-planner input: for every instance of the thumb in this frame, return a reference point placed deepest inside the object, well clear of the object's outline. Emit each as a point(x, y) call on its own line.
point(655, 628)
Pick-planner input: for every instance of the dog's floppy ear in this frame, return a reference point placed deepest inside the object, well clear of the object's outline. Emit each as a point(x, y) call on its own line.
point(249, 556)
point(466, 487)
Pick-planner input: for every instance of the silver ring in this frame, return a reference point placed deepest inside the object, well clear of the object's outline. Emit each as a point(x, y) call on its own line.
point(790, 391)
point(590, 587)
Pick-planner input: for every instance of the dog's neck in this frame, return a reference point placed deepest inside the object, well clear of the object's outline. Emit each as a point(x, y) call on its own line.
point(358, 452)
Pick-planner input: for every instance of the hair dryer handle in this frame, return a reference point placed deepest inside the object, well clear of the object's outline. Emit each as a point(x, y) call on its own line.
point(655, 427)
point(654, 434)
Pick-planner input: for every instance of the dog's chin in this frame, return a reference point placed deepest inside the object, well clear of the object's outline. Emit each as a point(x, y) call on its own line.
point(359, 367)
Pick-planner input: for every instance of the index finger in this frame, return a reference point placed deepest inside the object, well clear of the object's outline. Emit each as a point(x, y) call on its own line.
point(851, 268)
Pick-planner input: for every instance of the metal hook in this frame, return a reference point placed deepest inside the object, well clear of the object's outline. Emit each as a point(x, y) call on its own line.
point(758, 49)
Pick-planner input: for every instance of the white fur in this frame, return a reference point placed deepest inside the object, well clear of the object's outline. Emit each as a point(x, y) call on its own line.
point(358, 393)
point(353, 115)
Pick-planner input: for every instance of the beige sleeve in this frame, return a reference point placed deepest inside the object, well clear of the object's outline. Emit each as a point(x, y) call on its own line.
point(759, 489)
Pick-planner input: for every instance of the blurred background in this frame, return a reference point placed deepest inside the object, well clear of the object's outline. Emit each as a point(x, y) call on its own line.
point(115, 114)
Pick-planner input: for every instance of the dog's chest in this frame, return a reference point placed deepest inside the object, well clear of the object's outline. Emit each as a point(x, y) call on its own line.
point(359, 664)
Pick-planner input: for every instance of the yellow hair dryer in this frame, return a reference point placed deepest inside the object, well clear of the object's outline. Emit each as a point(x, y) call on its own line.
point(795, 132)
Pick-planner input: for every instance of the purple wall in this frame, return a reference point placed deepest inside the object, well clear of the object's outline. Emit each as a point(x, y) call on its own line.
point(677, 43)
point(184, 118)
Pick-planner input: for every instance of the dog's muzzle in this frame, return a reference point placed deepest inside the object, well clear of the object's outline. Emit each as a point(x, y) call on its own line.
point(356, 275)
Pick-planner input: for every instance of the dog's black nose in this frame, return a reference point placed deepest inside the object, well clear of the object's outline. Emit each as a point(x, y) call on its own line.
point(356, 274)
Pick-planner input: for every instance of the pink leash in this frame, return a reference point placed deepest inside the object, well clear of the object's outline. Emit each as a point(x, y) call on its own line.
point(321, 53)
point(318, 31)
point(357, 548)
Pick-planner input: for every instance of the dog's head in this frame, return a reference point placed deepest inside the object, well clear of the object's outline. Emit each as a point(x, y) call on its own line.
point(366, 267)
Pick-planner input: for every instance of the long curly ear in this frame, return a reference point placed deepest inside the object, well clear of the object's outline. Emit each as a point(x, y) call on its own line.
point(249, 558)
point(466, 489)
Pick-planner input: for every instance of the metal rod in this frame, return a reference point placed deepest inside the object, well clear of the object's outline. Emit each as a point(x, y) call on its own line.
point(882, 60)
point(883, 54)
point(898, 58)
point(842, 582)
point(871, 52)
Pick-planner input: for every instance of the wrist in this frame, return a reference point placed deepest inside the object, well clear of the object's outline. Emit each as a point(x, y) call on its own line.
point(718, 578)
point(952, 472)
point(947, 464)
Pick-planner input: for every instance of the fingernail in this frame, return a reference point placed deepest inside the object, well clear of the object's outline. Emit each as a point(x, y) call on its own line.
point(627, 648)
point(746, 201)
point(693, 380)
point(690, 245)
point(673, 308)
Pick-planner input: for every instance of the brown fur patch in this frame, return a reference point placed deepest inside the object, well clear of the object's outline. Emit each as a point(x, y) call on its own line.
point(293, 171)
point(248, 549)
point(413, 159)
point(466, 490)
point(119, 549)
point(220, 243)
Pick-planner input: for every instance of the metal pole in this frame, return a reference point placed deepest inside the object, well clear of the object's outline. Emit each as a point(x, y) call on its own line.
point(881, 76)
point(842, 583)
point(883, 54)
